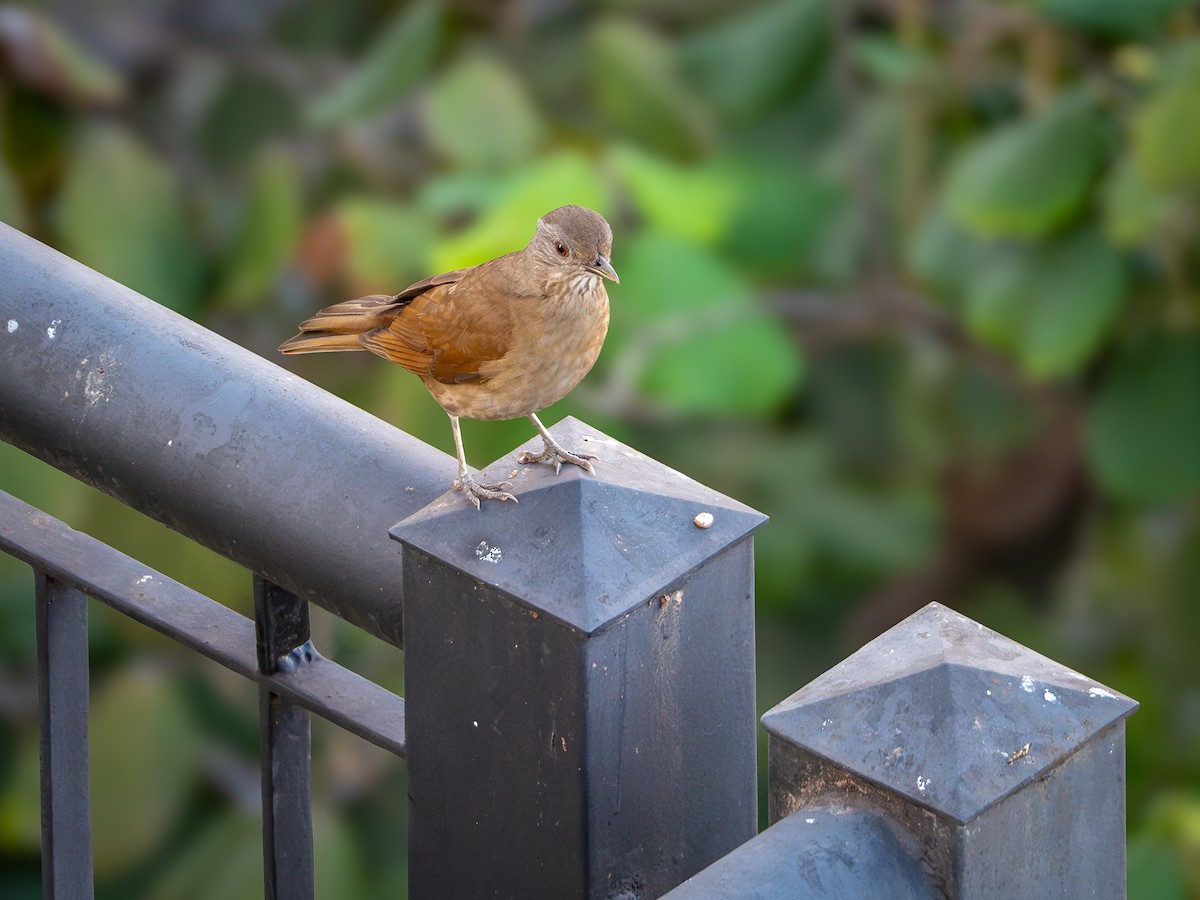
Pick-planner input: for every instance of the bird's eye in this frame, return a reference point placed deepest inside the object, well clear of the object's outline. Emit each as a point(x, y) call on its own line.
point(560, 248)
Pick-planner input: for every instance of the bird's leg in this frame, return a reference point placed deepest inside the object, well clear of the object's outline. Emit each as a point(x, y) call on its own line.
point(553, 450)
point(474, 490)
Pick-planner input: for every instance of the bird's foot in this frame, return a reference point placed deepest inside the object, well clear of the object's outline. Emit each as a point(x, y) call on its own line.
point(476, 491)
point(555, 452)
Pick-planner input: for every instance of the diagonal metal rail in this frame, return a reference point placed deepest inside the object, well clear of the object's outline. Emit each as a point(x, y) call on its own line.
point(224, 447)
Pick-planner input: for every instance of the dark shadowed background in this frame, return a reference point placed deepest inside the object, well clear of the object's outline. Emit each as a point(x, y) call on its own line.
point(920, 279)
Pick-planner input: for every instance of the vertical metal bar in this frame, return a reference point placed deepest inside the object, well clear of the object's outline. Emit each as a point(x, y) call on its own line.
point(62, 664)
point(281, 627)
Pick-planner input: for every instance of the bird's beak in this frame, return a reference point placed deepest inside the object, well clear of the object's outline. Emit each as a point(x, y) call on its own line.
point(604, 267)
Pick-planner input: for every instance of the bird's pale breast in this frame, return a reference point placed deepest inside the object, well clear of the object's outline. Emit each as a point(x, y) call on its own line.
point(555, 343)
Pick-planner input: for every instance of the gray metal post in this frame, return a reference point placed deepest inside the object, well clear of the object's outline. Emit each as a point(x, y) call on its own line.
point(1007, 768)
point(579, 681)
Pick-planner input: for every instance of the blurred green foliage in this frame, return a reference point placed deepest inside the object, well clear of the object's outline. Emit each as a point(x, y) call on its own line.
point(917, 278)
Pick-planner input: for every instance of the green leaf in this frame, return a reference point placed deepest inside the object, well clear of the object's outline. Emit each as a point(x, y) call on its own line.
point(20, 798)
point(339, 863)
point(665, 276)
point(998, 301)
point(35, 138)
point(269, 230)
point(1134, 213)
point(1165, 146)
point(1111, 18)
point(479, 116)
point(1143, 426)
point(523, 197)
point(990, 418)
point(769, 215)
point(46, 57)
point(455, 194)
point(121, 212)
point(1081, 289)
point(389, 243)
point(826, 521)
point(882, 533)
point(402, 55)
point(889, 61)
point(637, 86)
point(711, 352)
point(735, 366)
point(222, 862)
point(1051, 304)
point(853, 397)
point(143, 760)
point(1029, 178)
point(1155, 872)
point(944, 255)
point(753, 60)
point(693, 201)
point(787, 220)
point(246, 111)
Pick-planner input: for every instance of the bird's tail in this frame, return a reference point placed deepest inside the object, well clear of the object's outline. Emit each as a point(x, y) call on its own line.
point(339, 327)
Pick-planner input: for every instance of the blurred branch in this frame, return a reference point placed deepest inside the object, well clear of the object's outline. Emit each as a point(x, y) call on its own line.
point(299, 77)
point(618, 393)
point(882, 306)
point(879, 308)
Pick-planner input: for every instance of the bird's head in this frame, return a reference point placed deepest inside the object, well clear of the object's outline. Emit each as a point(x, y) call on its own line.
point(574, 237)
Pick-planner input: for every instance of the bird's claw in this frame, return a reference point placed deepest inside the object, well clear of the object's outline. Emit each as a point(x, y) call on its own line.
point(559, 456)
point(476, 491)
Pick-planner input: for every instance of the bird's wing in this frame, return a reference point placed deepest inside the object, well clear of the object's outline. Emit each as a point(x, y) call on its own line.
point(449, 326)
point(352, 316)
point(426, 283)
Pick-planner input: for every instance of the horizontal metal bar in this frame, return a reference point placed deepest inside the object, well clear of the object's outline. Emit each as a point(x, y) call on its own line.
point(319, 685)
point(206, 437)
point(346, 699)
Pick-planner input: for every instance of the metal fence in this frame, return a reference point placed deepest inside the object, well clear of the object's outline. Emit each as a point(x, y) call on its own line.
point(579, 716)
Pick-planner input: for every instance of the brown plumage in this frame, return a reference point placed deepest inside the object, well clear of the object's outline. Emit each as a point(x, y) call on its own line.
point(495, 341)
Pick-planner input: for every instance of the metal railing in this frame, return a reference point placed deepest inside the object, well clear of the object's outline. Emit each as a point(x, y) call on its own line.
point(579, 717)
point(68, 568)
point(220, 445)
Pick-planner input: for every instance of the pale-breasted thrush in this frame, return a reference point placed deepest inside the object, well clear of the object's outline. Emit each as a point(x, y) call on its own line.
point(499, 340)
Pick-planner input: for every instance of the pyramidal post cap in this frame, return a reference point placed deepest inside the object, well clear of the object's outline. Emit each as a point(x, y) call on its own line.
point(583, 549)
point(947, 713)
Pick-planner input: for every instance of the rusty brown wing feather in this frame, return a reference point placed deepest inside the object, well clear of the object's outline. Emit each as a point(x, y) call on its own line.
point(426, 283)
point(448, 331)
point(339, 327)
point(353, 316)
